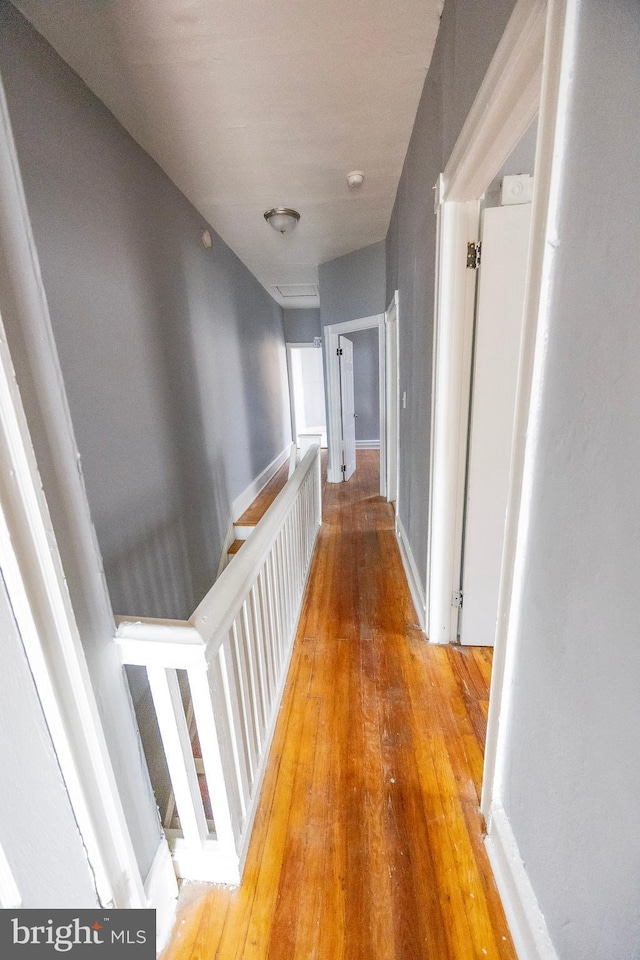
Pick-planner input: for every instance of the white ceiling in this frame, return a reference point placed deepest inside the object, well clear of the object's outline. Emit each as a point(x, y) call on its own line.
point(250, 104)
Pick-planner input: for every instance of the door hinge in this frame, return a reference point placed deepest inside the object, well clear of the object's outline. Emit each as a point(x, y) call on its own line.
point(339, 351)
point(456, 600)
point(474, 251)
point(344, 468)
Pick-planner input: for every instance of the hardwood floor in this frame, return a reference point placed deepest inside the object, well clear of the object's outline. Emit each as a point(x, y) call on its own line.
point(368, 841)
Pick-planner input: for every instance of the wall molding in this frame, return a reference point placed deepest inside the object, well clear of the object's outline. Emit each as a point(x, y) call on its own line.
point(249, 494)
point(368, 445)
point(418, 593)
point(161, 891)
point(526, 922)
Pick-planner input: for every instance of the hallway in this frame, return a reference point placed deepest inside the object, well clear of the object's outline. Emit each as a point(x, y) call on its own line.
point(368, 840)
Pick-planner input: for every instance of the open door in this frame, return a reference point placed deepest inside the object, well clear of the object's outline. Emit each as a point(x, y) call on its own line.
point(392, 414)
point(347, 407)
point(505, 243)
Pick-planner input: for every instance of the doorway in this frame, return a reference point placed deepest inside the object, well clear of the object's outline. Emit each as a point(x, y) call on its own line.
point(524, 80)
point(306, 390)
point(335, 429)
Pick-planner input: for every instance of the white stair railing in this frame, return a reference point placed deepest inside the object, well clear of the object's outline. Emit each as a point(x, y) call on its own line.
point(232, 657)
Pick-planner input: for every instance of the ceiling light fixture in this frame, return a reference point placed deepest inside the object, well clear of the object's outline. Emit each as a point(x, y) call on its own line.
point(282, 219)
point(355, 178)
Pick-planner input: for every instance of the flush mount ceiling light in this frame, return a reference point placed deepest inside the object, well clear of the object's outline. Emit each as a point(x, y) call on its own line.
point(282, 219)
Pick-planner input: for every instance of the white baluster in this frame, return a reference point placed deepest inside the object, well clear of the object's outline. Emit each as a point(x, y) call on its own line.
point(167, 700)
point(219, 786)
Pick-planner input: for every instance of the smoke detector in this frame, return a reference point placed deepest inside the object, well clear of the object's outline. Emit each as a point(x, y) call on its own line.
point(355, 178)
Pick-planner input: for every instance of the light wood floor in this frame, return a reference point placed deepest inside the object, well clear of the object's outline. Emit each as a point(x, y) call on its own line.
point(368, 841)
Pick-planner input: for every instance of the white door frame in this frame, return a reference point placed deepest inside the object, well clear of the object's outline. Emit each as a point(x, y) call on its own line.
point(332, 367)
point(527, 76)
point(392, 400)
point(37, 589)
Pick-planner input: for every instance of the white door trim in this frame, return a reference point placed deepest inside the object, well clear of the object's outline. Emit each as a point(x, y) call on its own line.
point(37, 589)
point(331, 333)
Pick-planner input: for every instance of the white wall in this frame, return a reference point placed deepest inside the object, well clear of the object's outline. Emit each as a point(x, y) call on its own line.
point(312, 386)
point(307, 388)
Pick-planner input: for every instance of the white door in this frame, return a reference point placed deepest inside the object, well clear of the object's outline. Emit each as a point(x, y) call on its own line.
point(505, 241)
point(347, 407)
point(392, 401)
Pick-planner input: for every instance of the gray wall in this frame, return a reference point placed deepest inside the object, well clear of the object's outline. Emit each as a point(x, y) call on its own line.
point(520, 160)
point(469, 33)
point(301, 326)
point(172, 355)
point(352, 287)
point(573, 774)
point(174, 367)
point(38, 832)
point(366, 383)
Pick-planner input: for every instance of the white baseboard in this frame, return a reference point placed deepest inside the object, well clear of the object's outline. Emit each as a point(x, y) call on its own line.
point(418, 592)
point(367, 444)
point(161, 891)
point(526, 922)
point(248, 495)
